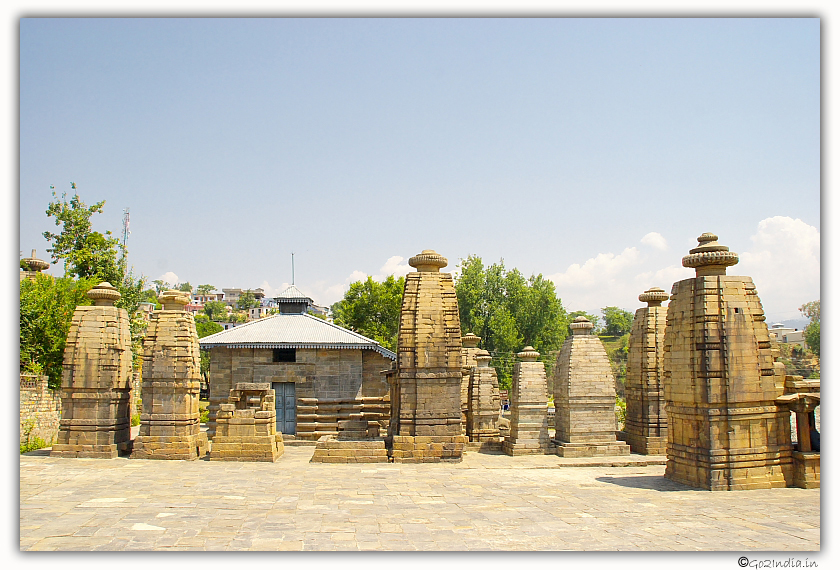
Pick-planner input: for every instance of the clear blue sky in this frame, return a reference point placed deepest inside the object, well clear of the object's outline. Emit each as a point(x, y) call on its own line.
point(608, 144)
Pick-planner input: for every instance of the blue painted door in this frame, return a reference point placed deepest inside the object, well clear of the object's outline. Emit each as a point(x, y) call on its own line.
point(285, 405)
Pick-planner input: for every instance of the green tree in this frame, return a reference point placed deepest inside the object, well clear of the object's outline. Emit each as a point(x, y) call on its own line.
point(161, 286)
point(508, 312)
point(205, 327)
point(46, 310)
point(372, 309)
point(216, 310)
point(86, 253)
point(617, 322)
point(91, 255)
point(149, 296)
point(185, 287)
point(247, 301)
point(812, 331)
point(205, 289)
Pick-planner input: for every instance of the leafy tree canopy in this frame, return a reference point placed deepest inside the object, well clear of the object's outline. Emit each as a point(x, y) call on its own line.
point(216, 310)
point(617, 321)
point(247, 301)
point(86, 253)
point(372, 308)
point(46, 310)
point(161, 286)
point(95, 256)
point(812, 331)
point(204, 289)
point(185, 287)
point(205, 327)
point(509, 312)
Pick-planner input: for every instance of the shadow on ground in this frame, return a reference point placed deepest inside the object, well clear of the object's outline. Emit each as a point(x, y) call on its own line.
point(38, 452)
point(652, 482)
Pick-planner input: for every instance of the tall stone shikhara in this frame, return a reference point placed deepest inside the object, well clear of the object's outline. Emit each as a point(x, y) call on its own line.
point(584, 397)
point(528, 403)
point(96, 380)
point(646, 425)
point(426, 389)
point(469, 348)
point(484, 401)
point(721, 380)
point(170, 422)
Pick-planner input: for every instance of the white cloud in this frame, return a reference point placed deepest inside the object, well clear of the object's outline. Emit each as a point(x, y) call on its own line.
point(393, 267)
point(784, 262)
point(271, 291)
point(329, 294)
point(169, 277)
point(603, 267)
point(655, 240)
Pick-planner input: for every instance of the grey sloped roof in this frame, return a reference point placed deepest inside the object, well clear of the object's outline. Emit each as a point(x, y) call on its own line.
point(292, 294)
point(292, 331)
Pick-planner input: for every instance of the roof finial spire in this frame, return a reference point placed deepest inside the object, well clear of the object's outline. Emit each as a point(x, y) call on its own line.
point(293, 268)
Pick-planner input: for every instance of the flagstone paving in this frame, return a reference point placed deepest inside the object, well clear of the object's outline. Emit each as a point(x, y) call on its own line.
point(486, 502)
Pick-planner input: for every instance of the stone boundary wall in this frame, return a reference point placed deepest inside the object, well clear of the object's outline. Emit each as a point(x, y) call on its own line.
point(40, 409)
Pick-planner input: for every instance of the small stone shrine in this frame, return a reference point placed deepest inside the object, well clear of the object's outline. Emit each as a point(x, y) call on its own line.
point(802, 398)
point(528, 407)
point(469, 348)
point(246, 426)
point(725, 430)
point(484, 401)
point(584, 397)
point(170, 425)
point(426, 386)
point(646, 426)
point(96, 381)
point(35, 266)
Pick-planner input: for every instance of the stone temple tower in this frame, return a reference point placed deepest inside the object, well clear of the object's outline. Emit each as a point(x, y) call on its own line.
point(427, 385)
point(584, 397)
point(96, 381)
point(721, 380)
point(646, 427)
point(169, 422)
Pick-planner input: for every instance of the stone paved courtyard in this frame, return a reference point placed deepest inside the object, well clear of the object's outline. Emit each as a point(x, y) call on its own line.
point(485, 502)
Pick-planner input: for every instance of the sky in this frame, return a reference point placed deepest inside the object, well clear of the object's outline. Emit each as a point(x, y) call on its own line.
point(592, 151)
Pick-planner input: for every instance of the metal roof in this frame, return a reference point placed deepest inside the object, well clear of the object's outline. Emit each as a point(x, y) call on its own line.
point(292, 294)
point(292, 331)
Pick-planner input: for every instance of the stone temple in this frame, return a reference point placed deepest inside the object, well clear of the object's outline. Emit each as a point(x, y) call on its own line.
point(169, 421)
point(646, 426)
point(721, 381)
point(426, 384)
point(96, 380)
point(484, 401)
point(529, 411)
point(584, 397)
point(469, 348)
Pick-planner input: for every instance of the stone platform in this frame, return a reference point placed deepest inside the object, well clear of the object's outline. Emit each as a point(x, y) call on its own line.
point(293, 504)
point(331, 450)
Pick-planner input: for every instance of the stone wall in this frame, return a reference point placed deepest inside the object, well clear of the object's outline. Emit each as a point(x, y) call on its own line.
point(40, 409)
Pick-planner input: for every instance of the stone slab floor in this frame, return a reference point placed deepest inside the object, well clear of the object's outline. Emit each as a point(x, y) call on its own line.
point(487, 502)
